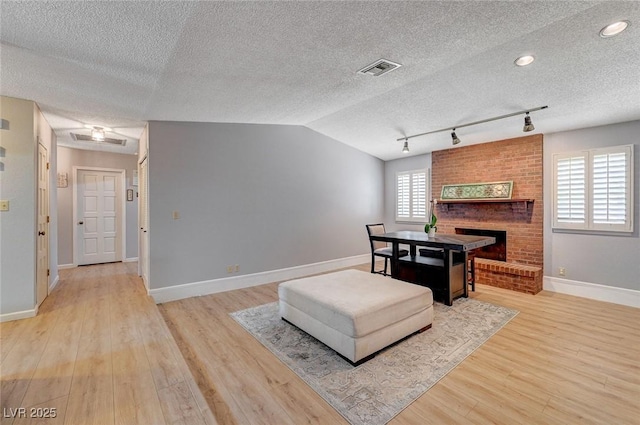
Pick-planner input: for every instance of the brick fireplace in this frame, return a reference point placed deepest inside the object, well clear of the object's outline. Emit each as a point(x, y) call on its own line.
point(497, 251)
point(519, 160)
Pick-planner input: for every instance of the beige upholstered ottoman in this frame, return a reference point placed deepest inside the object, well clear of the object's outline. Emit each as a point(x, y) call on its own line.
point(354, 312)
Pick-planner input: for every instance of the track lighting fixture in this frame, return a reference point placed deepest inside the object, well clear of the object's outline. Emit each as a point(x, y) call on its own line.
point(528, 126)
point(454, 138)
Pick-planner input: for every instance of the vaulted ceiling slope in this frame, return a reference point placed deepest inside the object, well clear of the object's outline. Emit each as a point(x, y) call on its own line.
point(119, 64)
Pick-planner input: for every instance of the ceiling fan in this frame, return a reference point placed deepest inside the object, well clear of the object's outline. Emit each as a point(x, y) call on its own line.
point(99, 135)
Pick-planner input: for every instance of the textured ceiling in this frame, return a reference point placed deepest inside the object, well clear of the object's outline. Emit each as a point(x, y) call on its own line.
point(119, 64)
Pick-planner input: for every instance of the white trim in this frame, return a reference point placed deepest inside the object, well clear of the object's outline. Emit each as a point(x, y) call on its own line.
point(130, 260)
point(144, 280)
point(7, 317)
point(411, 218)
point(123, 208)
point(66, 266)
point(594, 291)
point(140, 161)
point(54, 283)
point(46, 215)
point(187, 290)
point(143, 208)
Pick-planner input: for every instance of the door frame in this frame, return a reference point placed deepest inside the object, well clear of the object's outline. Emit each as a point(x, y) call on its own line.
point(40, 203)
point(143, 247)
point(123, 209)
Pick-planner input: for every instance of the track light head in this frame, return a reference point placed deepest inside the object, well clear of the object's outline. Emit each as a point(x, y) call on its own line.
point(454, 138)
point(528, 125)
point(405, 148)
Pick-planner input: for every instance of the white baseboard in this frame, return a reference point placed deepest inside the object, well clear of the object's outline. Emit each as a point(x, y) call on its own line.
point(187, 290)
point(594, 291)
point(130, 260)
point(66, 266)
point(7, 317)
point(54, 283)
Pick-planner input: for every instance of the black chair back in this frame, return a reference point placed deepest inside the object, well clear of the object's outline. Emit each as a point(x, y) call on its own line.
point(376, 229)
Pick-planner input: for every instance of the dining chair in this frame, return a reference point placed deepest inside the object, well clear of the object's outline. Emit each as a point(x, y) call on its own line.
point(381, 249)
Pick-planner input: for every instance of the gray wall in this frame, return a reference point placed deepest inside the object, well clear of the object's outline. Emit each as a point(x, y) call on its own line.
point(18, 225)
point(67, 159)
point(390, 170)
point(18, 185)
point(593, 258)
point(265, 197)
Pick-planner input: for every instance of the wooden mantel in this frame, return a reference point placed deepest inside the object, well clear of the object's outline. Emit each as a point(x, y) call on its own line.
point(447, 202)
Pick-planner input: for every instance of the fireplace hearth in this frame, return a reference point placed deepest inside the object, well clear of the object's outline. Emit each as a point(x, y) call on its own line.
point(497, 251)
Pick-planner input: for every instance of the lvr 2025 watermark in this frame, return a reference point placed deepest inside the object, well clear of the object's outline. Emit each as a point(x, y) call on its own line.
point(32, 412)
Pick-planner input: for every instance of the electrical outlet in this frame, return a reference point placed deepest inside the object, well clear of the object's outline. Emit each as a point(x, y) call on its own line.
point(229, 269)
point(562, 271)
point(237, 268)
point(4, 205)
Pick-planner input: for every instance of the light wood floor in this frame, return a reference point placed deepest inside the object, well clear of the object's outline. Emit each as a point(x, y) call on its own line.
point(99, 353)
point(562, 360)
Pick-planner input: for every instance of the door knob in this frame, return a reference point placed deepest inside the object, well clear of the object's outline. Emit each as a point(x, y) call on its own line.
point(81, 222)
point(41, 233)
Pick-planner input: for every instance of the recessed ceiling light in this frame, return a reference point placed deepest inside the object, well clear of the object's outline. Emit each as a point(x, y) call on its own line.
point(524, 60)
point(614, 29)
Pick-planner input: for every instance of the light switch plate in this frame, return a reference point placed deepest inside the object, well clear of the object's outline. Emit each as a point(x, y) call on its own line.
point(4, 205)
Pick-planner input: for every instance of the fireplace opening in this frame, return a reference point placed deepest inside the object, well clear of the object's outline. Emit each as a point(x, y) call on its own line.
point(497, 251)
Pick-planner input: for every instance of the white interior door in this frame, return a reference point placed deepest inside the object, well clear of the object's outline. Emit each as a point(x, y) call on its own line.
point(42, 244)
point(99, 221)
point(143, 255)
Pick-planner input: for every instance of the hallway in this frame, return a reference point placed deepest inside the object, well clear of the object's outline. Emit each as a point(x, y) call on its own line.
point(98, 352)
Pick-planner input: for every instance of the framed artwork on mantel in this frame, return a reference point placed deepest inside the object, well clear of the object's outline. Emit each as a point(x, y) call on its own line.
point(477, 191)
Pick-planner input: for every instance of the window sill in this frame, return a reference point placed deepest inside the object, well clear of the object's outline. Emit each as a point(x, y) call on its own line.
point(411, 221)
point(624, 233)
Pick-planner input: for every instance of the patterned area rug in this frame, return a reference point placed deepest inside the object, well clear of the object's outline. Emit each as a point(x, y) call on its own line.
point(376, 391)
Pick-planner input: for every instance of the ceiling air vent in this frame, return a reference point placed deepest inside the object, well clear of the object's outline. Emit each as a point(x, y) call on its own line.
point(87, 138)
point(379, 67)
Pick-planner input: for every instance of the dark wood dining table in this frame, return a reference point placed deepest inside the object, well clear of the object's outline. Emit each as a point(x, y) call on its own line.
point(450, 269)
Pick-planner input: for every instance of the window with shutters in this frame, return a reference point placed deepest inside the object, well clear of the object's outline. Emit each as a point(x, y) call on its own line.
point(411, 196)
point(593, 190)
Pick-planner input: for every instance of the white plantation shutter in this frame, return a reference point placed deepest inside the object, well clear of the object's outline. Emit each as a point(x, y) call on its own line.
point(611, 189)
point(411, 196)
point(419, 195)
point(593, 190)
point(571, 189)
point(403, 196)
